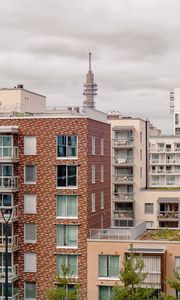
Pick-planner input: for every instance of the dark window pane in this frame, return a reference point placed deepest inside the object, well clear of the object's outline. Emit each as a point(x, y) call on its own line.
point(6, 200)
point(61, 175)
point(61, 151)
point(71, 175)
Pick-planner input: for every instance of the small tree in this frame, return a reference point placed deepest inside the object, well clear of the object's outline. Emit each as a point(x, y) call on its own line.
point(174, 283)
point(61, 290)
point(132, 277)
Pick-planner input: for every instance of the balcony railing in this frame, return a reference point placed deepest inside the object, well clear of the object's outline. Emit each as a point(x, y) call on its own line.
point(8, 183)
point(123, 160)
point(177, 149)
point(157, 183)
point(8, 153)
point(123, 197)
point(14, 297)
point(172, 182)
point(125, 178)
point(123, 142)
point(157, 161)
point(12, 273)
point(168, 215)
point(14, 214)
point(157, 171)
point(120, 214)
point(12, 242)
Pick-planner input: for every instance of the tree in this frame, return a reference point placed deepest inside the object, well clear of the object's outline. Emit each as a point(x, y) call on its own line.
point(174, 283)
point(62, 290)
point(132, 277)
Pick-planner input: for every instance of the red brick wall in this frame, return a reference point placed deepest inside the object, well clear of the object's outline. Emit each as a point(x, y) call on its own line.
point(46, 131)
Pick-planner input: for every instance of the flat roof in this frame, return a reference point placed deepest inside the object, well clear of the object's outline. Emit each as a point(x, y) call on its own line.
point(21, 89)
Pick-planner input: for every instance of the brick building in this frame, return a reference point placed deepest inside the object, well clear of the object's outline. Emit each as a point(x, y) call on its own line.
point(55, 174)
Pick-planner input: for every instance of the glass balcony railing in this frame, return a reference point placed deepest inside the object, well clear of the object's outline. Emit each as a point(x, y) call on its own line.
point(12, 242)
point(8, 153)
point(12, 272)
point(123, 142)
point(123, 196)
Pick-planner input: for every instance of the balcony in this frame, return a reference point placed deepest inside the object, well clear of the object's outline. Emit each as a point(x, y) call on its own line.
point(123, 143)
point(164, 215)
point(158, 171)
point(121, 197)
point(120, 214)
point(12, 243)
point(12, 273)
point(123, 179)
point(8, 154)
point(123, 161)
point(171, 183)
point(8, 184)
point(157, 161)
point(14, 215)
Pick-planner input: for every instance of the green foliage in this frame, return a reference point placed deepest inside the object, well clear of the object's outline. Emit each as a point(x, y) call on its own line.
point(60, 291)
point(132, 277)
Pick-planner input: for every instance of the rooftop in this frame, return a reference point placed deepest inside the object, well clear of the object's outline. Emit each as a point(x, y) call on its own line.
point(161, 235)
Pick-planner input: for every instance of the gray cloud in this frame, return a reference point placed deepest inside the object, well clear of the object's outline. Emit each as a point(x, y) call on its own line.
point(135, 45)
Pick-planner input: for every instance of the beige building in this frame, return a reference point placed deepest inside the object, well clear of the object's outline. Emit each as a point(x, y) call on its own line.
point(129, 156)
point(20, 100)
point(108, 248)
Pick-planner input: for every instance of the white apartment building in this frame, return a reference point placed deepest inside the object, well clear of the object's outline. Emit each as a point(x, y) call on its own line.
point(164, 161)
point(129, 140)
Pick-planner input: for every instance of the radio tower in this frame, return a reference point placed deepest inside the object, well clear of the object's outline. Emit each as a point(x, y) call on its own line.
point(90, 88)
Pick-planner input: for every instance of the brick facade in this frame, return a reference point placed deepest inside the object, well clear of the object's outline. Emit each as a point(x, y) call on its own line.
point(46, 131)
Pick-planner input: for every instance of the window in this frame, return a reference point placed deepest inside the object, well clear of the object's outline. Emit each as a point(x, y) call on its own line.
point(140, 172)
point(102, 146)
point(30, 233)
point(93, 199)
point(93, 173)
point(29, 145)
point(141, 154)
point(30, 174)
point(67, 235)
point(66, 176)
point(109, 266)
point(6, 143)
point(105, 292)
point(70, 261)
point(66, 146)
point(102, 200)
point(149, 208)
point(5, 200)
point(30, 290)
point(177, 264)
point(93, 145)
point(29, 262)
point(30, 203)
point(102, 173)
point(66, 206)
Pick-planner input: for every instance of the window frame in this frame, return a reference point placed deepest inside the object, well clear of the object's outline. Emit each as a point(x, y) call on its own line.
point(102, 199)
point(152, 206)
point(102, 173)
point(102, 146)
point(93, 145)
point(34, 211)
point(31, 136)
point(27, 241)
point(67, 157)
point(30, 182)
point(93, 202)
point(66, 216)
point(33, 282)
point(65, 233)
point(93, 173)
point(67, 255)
point(108, 266)
point(67, 186)
point(25, 267)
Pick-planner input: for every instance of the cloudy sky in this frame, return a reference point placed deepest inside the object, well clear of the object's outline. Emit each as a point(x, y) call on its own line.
point(135, 44)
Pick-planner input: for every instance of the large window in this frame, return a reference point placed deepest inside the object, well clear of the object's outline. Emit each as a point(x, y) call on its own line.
point(30, 203)
point(68, 261)
point(109, 266)
point(66, 206)
point(67, 235)
point(30, 290)
point(6, 143)
point(66, 146)
point(105, 292)
point(30, 174)
point(30, 145)
point(29, 233)
point(66, 176)
point(30, 262)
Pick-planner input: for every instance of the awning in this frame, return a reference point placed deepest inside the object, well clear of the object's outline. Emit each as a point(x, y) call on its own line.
point(168, 200)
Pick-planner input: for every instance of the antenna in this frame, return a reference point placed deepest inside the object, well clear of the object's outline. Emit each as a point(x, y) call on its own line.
point(89, 61)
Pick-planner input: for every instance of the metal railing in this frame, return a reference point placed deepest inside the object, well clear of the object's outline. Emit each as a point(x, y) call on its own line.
point(123, 196)
point(122, 214)
point(122, 178)
point(12, 242)
point(8, 153)
point(12, 272)
point(9, 182)
point(123, 142)
point(14, 214)
point(168, 215)
point(123, 160)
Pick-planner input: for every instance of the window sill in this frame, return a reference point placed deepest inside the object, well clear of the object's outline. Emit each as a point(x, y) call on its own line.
point(30, 242)
point(67, 247)
point(67, 158)
point(69, 218)
point(67, 187)
point(108, 278)
point(33, 182)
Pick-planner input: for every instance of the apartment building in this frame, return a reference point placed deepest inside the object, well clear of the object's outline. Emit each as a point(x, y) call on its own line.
point(108, 248)
point(129, 159)
point(55, 176)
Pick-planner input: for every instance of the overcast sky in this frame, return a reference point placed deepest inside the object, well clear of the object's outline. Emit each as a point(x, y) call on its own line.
point(44, 44)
